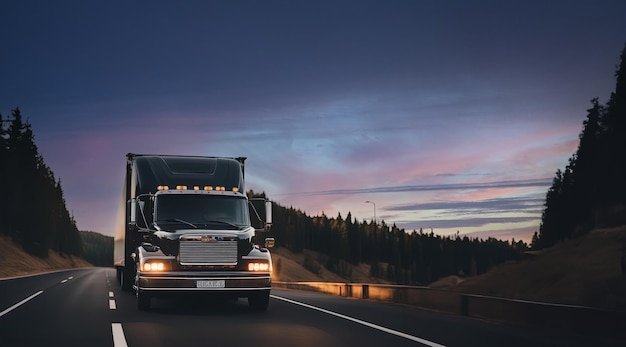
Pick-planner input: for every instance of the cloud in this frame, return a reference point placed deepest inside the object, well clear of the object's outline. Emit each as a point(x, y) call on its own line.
point(485, 206)
point(462, 223)
point(543, 182)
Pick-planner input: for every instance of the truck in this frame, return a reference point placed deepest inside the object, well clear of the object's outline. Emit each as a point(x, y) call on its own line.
point(186, 227)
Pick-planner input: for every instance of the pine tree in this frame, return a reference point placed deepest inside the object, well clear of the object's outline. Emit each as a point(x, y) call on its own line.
point(586, 168)
point(3, 178)
point(595, 179)
point(25, 209)
point(614, 122)
point(36, 215)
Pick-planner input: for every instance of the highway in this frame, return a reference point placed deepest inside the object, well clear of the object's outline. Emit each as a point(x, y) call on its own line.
point(86, 307)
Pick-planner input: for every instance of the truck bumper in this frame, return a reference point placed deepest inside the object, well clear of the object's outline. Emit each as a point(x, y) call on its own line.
point(236, 282)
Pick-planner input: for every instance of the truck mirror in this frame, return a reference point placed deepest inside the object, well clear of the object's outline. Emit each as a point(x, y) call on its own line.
point(260, 213)
point(132, 219)
point(268, 215)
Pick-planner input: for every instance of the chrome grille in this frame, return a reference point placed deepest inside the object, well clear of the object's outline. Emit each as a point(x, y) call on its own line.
point(207, 251)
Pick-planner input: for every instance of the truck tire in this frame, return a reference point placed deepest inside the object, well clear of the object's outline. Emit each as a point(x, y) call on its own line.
point(143, 300)
point(259, 301)
point(127, 278)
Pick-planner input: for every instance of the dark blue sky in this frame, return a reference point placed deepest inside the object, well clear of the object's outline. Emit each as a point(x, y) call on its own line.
point(452, 115)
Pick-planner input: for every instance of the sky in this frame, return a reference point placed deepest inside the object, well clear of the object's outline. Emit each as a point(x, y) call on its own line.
point(450, 116)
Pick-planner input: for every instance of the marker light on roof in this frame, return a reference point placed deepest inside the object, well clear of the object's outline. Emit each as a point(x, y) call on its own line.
point(207, 188)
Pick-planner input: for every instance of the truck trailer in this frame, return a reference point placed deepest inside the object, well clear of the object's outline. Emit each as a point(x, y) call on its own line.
point(185, 226)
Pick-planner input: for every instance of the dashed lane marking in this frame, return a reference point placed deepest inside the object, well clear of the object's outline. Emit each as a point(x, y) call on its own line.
point(119, 340)
point(20, 303)
point(367, 324)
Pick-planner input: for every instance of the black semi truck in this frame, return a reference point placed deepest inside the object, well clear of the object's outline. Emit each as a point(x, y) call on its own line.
point(185, 226)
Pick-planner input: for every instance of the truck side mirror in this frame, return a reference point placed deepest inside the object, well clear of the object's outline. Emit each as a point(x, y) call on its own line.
point(260, 213)
point(132, 219)
point(268, 216)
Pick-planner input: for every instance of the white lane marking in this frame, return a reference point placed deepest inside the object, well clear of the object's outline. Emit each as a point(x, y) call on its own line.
point(19, 303)
point(70, 278)
point(118, 335)
point(112, 305)
point(110, 294)
point(367, 324)
point(65, 280)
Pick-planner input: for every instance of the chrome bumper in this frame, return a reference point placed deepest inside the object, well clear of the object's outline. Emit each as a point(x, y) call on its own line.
point(185, 281)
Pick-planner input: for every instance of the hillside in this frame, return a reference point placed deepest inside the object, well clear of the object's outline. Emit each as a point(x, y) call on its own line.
point(583, 271)
point(15, 262)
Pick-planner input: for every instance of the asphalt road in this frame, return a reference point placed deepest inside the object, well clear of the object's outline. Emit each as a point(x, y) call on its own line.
point(86, 307)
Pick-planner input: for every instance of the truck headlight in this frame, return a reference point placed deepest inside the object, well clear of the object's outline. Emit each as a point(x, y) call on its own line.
point(154, 266)
point(264, 267)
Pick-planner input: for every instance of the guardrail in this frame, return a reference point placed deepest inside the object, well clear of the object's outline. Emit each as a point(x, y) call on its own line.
point(576, 319)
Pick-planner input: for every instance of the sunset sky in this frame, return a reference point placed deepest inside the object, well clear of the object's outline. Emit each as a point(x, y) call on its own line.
point(448, 115)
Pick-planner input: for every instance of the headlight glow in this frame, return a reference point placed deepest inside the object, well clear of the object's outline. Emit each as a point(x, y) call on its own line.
point(153, 266)
point(259, 267)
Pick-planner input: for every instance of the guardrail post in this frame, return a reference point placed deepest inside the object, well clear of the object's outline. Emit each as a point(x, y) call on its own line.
point(365, 291)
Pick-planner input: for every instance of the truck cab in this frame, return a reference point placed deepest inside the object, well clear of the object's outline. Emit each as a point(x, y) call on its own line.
point(188, 228)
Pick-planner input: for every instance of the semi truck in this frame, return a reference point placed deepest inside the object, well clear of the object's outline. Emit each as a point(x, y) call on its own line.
point(186, 227)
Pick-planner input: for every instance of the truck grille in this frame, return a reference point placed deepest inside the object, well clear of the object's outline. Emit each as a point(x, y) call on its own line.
point(207, 250)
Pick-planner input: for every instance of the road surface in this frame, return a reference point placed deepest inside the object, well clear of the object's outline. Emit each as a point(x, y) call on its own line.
point(86, 307)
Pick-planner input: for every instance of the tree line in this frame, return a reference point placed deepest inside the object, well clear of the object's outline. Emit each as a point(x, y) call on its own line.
point(415, 257)
point(97, 248)
point(591, 190)
point(33, 210)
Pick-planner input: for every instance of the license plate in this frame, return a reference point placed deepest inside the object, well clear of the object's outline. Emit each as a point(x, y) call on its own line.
point(211, 284)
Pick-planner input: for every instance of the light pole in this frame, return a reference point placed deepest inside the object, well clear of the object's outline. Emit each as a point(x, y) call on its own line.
point(373, 203)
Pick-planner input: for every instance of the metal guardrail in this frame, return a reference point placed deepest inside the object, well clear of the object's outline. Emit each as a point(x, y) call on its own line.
point(575, 319)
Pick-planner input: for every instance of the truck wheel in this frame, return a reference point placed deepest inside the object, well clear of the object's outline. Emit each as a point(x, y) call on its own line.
point(143, 301)
point(259, 301)
point(126, 279)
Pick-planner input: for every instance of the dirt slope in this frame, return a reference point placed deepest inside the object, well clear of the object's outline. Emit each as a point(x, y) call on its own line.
point(584, 271)
point(15, 262)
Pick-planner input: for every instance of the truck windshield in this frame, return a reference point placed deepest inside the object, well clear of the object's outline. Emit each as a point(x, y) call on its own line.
point(201, 211)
